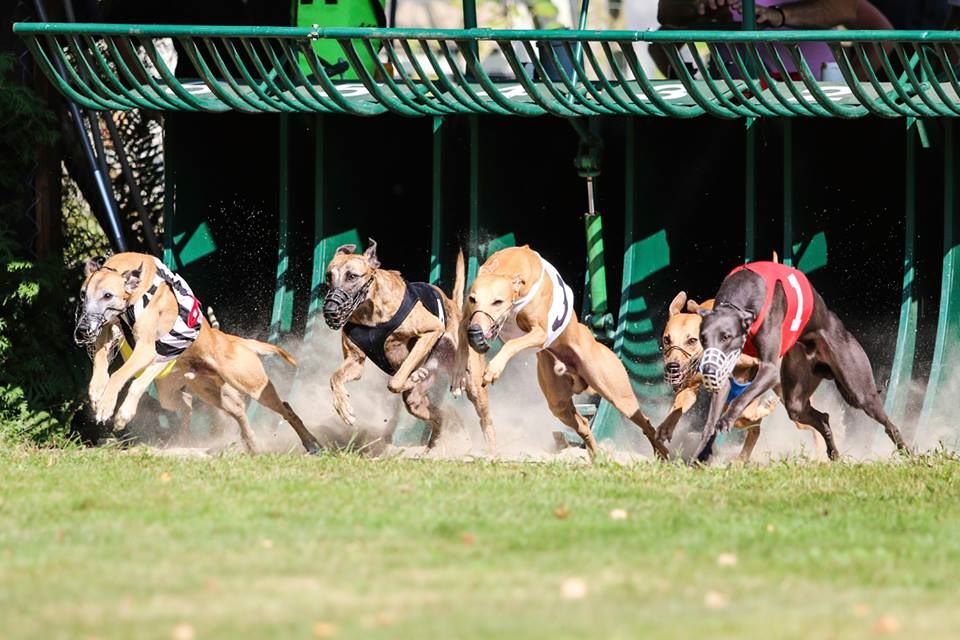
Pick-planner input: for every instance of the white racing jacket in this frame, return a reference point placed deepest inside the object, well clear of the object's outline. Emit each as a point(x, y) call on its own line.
point(561, 306)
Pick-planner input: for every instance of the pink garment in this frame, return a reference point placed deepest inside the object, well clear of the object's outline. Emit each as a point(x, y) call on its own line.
point(815, 53)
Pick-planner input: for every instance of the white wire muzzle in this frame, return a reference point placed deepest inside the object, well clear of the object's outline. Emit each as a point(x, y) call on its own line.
point(716, 367)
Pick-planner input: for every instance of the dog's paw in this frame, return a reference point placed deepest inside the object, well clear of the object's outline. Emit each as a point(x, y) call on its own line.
point(345, 411)
point(103, 408)
point(124, 416)
point(492, 374)
point(419, 375)
point(724, 424)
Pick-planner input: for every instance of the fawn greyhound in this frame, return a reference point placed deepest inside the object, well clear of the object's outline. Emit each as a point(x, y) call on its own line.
point(521, 298)
point(134, 301)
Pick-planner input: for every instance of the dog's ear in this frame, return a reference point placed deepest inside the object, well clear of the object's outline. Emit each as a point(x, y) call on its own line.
point(776, 258)
point(346, 249)
point(131, 279)
point(491, 266)
point(518, 283)
point(693, 306)
point(677, 305)
point(371, 253)
point(92, 265)
point(746, 318)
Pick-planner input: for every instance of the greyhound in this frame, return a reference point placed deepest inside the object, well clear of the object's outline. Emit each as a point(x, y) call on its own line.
point(521, 295)
point(681, 348)
point(771, 311)
point(133, 301)
point(407, 329)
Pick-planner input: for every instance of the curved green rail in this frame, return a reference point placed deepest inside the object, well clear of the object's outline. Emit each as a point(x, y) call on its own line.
point(434, 72)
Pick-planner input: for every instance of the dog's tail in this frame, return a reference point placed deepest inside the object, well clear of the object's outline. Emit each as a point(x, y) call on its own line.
point(776, 258)
point(266, 349)
point(459, 282)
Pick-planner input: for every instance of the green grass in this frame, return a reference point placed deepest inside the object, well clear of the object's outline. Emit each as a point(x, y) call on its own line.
point(108, 544)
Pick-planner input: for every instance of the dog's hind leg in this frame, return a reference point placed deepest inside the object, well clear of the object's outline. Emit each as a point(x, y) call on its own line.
point(749, 442)
point(603, 371)
point(174, 397)
point(242, 370)
point(271, 400)
point(217, 393)
point(798, 382)
point(854, 378)
point(419, 405)
point(558, 390)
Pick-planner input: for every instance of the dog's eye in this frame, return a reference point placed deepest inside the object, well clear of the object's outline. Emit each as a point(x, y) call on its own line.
point(692, 341)
point(472, 299)
point(352, 276)
point(329, 278)
point(725, 337)
point(666, 339)
point(497, 303)
point(107, 295)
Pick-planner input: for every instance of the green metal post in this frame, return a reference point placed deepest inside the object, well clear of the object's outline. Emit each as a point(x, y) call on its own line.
point(474, 223)
point(902, 372)
point(436, 226)
point(281, 317)
point(169, 193)
point(787, 249)
point(938, 403)
point(320, 249)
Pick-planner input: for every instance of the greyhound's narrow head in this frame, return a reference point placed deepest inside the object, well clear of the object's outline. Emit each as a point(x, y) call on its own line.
point(347, 282)
point(488, 306)
point(723, 332)
point(680, 342)
point(105, 294)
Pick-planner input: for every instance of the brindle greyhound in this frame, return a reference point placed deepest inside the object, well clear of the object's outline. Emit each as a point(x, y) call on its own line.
point(774, 312)
point(408, 329)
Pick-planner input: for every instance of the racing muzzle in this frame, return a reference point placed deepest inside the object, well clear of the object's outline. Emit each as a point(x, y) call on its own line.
point(716, 367)
point(481, 340)
point(676, 374)
point(88, 326)
point(339, 304)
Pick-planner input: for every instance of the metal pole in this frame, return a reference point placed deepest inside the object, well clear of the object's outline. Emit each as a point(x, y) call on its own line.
point(938, 402)
point(113, 230)
point(436, 227)
point(902, 372)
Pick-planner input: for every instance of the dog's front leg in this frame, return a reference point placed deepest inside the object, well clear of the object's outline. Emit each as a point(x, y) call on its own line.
point(129, 407)
point(101, 365)
point(349, 370)
point(417, 356)
point(143, 356)
point(705, 448)
point(681, 404)
point(534, 338)
point(767, 376)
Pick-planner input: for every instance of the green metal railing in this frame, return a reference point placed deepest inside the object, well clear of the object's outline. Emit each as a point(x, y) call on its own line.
point(434, 72)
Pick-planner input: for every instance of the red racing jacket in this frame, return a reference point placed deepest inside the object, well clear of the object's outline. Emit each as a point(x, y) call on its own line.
point(799, 302)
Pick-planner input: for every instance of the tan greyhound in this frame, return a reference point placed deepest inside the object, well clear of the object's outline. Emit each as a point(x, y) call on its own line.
point(521, 298)
point(134, 301)
point(681, 357)
point(408, 329)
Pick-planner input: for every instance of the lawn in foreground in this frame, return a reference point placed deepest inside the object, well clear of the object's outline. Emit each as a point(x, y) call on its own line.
point(114, 544)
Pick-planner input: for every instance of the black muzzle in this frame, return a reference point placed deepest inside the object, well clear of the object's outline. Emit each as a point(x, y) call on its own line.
point(339, 304)
point(481, 340)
